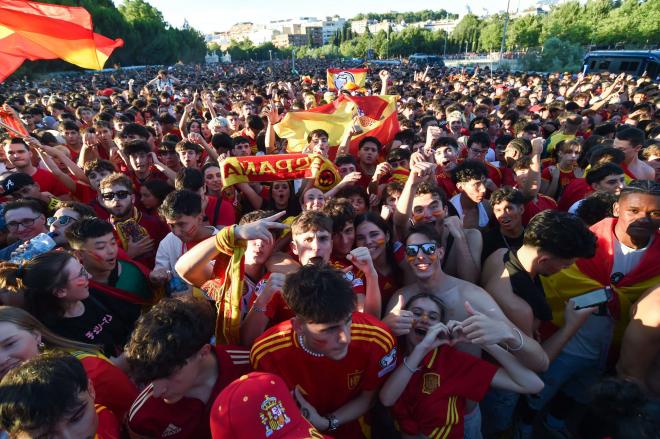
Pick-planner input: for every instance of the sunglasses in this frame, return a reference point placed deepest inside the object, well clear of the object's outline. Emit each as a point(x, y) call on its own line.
point(120, 195)
point(428, 248)
point(62, 220)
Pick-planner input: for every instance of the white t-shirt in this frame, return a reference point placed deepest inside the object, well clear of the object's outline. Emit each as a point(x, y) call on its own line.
point(626, 258)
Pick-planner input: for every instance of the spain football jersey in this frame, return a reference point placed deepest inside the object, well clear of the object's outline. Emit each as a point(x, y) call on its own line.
point(434, 399)
point(325, 383)
point(533, 207)
point(108, 426)
point(188, 417)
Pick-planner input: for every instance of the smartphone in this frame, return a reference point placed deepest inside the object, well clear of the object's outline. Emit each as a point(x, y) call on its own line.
point(592, 298)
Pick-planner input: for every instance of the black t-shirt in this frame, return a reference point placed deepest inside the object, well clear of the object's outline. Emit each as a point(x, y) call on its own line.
point(493, 240)
point(107, 322)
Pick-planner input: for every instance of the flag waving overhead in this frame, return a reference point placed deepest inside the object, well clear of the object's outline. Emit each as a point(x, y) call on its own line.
point(376, 116)
point(338, 79)
point(32, 31)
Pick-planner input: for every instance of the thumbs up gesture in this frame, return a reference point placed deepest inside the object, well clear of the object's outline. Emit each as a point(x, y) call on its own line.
point(480, 329)
point(398, 319)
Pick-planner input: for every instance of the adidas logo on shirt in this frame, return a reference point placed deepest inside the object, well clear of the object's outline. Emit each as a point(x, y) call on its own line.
point(171, 430)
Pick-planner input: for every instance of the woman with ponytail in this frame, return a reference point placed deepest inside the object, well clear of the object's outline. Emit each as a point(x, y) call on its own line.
point(23, 337)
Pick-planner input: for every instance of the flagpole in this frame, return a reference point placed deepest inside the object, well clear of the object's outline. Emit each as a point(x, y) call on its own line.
point(12, 130)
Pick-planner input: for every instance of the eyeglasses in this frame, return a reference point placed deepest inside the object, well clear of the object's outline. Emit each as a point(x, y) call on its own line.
point(428, 248)
point(27, 222)
point(83, 274)
point(62, 220)
point(120, 195)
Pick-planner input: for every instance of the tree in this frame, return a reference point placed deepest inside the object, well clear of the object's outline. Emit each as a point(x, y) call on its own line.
point(557, 55)
point(467, 30)
point(523, 32)
point(491, 33)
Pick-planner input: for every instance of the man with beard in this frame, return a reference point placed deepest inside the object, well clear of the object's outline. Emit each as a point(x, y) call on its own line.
point(137, 232)
point(625, 263)
point(425, 203)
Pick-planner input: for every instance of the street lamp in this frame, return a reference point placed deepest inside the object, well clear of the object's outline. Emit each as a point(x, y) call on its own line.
point(506, 22)
point(270, 54)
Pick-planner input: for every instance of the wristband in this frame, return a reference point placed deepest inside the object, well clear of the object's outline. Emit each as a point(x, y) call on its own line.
point(333, 423)
point(522, 342)
point(410, 369)
point(256, 308)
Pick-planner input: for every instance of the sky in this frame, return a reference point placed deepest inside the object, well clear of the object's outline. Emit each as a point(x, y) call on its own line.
point(215, 16)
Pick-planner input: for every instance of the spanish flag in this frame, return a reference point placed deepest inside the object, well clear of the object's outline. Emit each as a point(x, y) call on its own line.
point(32, 31)
point(339, 79)
point(376, 116)
point(594, 273)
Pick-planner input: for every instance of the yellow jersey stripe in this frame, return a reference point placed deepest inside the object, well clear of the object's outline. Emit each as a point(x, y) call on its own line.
point(263, 344)
point(374, 328)
point(373, 340)
point(375, 335)
point(256, 360)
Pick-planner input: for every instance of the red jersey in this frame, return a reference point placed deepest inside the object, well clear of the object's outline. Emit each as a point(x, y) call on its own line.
point(49, 183)
point(443, 179)
point(565, 177)
point(508, 177)
point(328, 384)
point(108, 427)
point(533, 207)
point(576, 190)
point(112, 386)
point(434, 400)
point(494, 173)
point(84, 192)
point(149, 225)
point(354, 276)
point(188, 417)
point(219, 215)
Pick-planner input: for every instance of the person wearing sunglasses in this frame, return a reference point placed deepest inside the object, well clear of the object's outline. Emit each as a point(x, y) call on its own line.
point(25, 219)
point(424, 254)
point(68, 213)
point(138, 232)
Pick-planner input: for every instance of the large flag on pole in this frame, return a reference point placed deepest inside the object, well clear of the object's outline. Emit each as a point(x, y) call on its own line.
point(32, 31)
point(376, 115)
point(338, 79)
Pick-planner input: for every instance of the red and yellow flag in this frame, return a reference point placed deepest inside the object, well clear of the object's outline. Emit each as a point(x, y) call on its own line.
point(339, 79)
point(32, 31)
point(376, 116)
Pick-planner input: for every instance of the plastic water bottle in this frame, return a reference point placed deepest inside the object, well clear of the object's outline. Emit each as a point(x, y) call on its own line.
point(176, 286)
point(41, 243)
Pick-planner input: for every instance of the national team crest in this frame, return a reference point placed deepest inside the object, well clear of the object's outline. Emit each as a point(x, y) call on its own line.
point(343, 78)
point(354, 379)
point(273, 415)
point(430, 382)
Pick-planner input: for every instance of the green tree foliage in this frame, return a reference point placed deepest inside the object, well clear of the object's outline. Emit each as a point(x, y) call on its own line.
point(408, 17)
point(523, 32)
point(557, 55)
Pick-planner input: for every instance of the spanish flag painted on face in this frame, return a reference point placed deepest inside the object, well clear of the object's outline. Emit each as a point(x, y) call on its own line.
point(338, 79)
point(33, 31)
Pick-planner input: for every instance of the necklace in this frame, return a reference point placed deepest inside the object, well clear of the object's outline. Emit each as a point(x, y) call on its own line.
point(301, 342)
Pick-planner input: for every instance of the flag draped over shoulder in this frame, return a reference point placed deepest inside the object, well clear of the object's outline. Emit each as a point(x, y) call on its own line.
point(32, 31)
point(590, 274)
point(338, 79)
point(376, 116)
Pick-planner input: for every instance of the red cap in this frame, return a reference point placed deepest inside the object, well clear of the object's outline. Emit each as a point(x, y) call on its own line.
point(258, 405)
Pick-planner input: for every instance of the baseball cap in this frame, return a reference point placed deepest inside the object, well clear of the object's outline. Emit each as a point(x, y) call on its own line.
point(11, 182)
point(258, 405)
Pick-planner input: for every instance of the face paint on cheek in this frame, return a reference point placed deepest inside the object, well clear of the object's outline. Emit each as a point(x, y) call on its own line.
point(380, 242)
point(417, 217)
point(438, 213)
point(411, 259)
point(433, 257)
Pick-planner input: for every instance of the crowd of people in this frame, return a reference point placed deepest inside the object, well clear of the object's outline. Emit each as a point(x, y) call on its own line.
point(490, 271)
